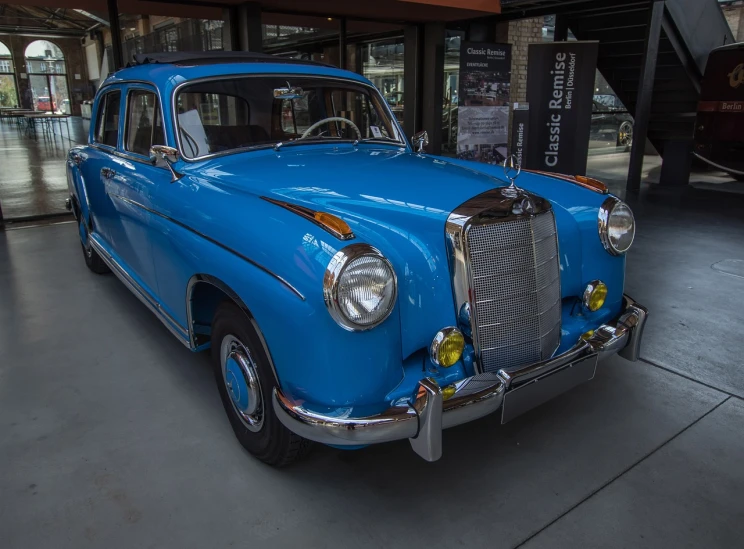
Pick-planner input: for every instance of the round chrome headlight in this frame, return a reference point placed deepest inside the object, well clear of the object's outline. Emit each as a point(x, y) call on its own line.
point(359, 287)
point(616, 226)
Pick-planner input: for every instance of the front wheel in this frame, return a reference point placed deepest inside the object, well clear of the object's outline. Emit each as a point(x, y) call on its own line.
point(92, 259)
point(625, 135)
point(246, 381)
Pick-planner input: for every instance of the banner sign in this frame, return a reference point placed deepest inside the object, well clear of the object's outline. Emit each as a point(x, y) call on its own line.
point(560, 89)
point(520, 131)
point(483, 102)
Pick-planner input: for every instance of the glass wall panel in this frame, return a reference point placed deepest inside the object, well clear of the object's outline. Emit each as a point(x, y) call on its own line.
point(452, 40)
point(47, 78)
point(382, 63)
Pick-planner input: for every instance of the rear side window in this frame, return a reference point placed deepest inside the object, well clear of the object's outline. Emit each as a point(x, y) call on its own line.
point(107, 125)
point(144, 124)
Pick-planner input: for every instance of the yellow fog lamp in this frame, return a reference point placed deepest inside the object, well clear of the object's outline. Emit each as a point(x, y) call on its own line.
point(595, 295)
point(446, 347)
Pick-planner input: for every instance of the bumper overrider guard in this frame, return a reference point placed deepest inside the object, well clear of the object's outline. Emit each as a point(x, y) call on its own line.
point(514, 391)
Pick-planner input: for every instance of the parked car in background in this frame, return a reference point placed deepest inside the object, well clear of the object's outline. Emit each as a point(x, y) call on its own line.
point(719, 127)
point(353, 289)
point(45, 104)
point(611, 122)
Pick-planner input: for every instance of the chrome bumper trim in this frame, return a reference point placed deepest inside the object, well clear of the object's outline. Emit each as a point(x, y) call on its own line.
point(424, 419)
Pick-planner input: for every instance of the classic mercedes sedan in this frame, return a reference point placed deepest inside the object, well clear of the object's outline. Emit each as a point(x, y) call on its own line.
point(353, 289)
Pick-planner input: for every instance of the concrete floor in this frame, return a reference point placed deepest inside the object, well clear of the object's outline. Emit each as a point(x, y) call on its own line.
point(32, 171)
point(112, 434)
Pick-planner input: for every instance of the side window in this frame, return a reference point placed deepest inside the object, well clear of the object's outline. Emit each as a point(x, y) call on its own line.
point(107, 125)
point(144, 124)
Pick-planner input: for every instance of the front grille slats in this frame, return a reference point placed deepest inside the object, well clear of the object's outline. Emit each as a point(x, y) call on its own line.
point(515, 279)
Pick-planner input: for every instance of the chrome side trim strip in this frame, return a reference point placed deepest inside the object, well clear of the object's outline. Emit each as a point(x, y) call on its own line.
point(143, 295)
point(213, 241)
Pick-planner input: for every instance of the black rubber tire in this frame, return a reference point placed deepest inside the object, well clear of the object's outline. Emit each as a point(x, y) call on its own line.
point(273, 444)
point(629, 144)
point(92, 259)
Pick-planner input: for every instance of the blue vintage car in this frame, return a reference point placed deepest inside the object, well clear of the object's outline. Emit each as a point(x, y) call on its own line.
point(353, 290)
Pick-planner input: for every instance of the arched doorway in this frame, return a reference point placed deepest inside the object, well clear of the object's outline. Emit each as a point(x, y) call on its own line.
point(47, 78)
point(8, 91)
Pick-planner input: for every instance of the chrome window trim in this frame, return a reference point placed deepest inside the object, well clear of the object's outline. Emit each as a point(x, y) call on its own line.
point(399, 142)
point(213, 241)
point(492, 206)
point(603, 219)
point(94, 139)
point(149, 88)
point(331, 278)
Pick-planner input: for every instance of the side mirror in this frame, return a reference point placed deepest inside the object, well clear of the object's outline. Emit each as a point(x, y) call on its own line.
point(164, 156)
point(420, 140)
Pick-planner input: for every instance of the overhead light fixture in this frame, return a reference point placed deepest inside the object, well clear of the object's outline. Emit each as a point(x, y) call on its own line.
point(330, 18)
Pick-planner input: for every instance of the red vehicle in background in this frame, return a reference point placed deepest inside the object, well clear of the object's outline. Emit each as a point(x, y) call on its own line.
point(719, 131)
point(45, 104)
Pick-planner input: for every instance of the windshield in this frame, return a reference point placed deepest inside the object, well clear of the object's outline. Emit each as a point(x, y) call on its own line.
point(215, 116)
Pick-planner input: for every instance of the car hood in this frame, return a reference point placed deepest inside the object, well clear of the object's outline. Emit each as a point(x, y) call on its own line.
point(398, 202)
point(355, 181)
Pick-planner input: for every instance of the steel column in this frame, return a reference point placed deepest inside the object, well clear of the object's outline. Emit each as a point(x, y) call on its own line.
point(342, 43)
point(433, 84)
point(250, 37)
point(561, 28)
point(116, 48)
point(230, 29)
point(642, 113)
point(412, 78)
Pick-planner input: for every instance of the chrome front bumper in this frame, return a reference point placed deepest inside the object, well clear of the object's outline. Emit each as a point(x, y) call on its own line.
point(515, 391)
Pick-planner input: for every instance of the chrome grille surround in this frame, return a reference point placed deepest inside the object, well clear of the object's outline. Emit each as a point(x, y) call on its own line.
point(503, 253)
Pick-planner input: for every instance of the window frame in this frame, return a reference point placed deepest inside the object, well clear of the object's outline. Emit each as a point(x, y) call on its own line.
point(159, 108)
point(101, 111)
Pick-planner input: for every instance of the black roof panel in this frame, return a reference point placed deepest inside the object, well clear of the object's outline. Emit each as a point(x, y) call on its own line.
point(214, 58)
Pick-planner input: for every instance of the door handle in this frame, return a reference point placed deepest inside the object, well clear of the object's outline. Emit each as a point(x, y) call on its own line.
point(108, 173)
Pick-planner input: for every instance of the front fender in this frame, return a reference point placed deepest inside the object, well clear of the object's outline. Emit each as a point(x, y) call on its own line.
point(76, 185)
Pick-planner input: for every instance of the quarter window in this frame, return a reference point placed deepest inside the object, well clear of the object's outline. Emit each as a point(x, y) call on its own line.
point(107, 126)
point(144, 123)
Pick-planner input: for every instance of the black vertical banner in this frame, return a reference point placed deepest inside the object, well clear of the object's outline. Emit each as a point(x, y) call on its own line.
point(520, 132)
point(560, 89)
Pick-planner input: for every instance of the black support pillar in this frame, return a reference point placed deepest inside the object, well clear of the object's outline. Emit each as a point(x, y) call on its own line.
point(113, 17)
point(642, 113)
point(433, 84)
point(230, 29)
point(412, 78)
point(249, 27)
point(561, 28)
point(342, 43)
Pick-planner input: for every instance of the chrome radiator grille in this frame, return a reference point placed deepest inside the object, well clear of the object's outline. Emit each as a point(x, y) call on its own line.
point(515, 279)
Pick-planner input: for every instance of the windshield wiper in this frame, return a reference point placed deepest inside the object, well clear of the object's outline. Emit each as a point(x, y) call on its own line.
point(300, 141)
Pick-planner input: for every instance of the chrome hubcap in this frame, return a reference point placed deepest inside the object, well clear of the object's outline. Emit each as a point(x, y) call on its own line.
point(626, 134)
point(240, 376)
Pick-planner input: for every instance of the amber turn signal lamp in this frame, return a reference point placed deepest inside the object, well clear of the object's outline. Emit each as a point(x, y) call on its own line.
point(446, 347)
point(595, 295)
point(591, 183)
point(448, 392)
point(333, 224)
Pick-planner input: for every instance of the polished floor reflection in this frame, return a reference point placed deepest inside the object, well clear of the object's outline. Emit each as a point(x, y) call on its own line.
point(32, 169)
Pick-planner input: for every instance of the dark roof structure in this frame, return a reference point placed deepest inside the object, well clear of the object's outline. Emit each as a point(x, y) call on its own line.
point(214, 58)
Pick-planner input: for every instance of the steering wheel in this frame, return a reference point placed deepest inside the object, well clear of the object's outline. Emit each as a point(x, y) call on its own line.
point(332, 119)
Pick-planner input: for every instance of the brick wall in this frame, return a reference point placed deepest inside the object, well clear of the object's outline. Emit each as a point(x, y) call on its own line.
point(522, 33)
